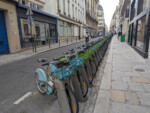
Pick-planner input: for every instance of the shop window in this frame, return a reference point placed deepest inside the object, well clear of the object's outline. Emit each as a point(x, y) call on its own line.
point(140, 32)
point(53, 30)
point(65, 29)
point(26, 29)
point(37, 29)
point(130, 34)
point(40, 32)
point(69, 30)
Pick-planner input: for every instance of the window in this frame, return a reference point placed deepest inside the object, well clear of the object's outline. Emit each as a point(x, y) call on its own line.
point(76, 13)
point(52, 30)
point(26, 29)
point(140, 32)
point(37, 29)
point(69, 30)
point(73, 11)
point(64, 5)
point(39, 7)
point(142, 5)
point(33, 5)
point(23, 2)
point(68, 7)
point(133, 11)
point(61, 28)
point(40, 30)
point(65, 29)
point(58, 5)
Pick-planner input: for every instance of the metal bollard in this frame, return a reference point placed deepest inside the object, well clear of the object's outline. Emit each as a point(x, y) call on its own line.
point(35, 47)
point(50, 44)
point(59, 42)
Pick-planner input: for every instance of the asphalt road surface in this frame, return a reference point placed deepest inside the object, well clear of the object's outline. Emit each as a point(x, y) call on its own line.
point(17, 79)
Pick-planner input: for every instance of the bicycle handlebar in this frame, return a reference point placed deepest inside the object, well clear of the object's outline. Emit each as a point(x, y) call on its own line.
point(46, 64)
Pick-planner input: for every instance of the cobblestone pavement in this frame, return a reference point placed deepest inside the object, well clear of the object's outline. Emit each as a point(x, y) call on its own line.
point(125, 85)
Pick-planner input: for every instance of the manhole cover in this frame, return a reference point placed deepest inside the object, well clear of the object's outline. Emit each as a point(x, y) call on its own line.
point(140, 70)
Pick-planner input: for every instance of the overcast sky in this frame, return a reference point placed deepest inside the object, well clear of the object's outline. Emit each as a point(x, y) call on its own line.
point(109, 7)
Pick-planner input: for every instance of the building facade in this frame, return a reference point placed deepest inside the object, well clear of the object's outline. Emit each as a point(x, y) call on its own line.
point(115, 22)
point(139, 21)
point(91, 15)
point(124, 19)
point(101, 20)
point(44, 25)
point(115, 25)
point(72, 19)
point(9, 33)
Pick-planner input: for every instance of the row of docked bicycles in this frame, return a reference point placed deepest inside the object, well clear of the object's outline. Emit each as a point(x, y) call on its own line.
point(70, 75)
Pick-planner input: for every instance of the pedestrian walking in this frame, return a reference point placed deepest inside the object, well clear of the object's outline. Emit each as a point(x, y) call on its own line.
point(87, 38)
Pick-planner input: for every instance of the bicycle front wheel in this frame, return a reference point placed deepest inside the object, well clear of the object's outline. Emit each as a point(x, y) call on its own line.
point(40, 85)
point(72, 100)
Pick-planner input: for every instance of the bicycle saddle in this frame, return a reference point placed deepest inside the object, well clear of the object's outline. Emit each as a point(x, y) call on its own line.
point(84, 45)
point(61, 64)
point(66, 53)
point(78, 47)
point(71, 49)
point(55, 59)
point(42, 60)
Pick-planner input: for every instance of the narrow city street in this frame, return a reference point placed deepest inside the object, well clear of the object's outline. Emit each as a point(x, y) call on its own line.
point(121, 84)
point(74, 56)
point(17, 79)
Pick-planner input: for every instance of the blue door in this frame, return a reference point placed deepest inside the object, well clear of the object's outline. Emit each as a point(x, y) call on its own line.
point(3, 35)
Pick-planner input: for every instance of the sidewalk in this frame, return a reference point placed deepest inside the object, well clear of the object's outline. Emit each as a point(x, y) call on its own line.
point(125, 85)
point(25, 54)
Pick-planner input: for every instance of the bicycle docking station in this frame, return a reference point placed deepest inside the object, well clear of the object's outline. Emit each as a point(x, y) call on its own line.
point(77, 88)
point(71, 75)
point(62, 95)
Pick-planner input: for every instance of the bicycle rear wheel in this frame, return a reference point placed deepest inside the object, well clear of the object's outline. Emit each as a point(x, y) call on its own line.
point(83, 84)
point(89, 73)
point(72, 100)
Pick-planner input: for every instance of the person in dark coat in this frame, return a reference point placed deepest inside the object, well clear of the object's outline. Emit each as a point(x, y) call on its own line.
point(87, 38)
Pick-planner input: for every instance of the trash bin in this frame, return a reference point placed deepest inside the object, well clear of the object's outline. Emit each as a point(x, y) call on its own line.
point(122, 38)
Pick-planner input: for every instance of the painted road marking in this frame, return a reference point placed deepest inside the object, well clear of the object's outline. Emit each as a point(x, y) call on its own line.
point(34, 94)
point(23, 97)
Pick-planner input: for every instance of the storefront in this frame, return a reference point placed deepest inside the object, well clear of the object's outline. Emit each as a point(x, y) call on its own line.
point(68, 31)
point(44, 27)
point(139, 26)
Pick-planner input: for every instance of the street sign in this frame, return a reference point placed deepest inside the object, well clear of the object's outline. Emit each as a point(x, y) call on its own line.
point(30, 21)
point(29, 12)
